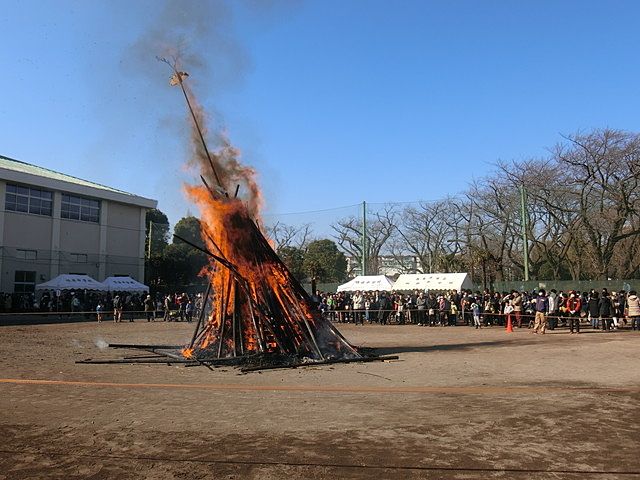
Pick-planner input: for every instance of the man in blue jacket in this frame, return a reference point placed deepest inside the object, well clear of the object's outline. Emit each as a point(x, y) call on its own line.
point(541, 307)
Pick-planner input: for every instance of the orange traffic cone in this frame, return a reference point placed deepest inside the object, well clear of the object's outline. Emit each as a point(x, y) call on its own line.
point(509, 326)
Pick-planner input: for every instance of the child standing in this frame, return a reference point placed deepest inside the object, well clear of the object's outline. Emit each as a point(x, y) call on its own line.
point(475, 310)
point(99, 309)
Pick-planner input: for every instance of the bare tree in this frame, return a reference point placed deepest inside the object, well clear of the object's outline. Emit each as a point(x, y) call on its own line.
point(582, 218)
point(429, 232)
point(550, 217)
point(603, 173)
point(380, 227)
point(290, 236)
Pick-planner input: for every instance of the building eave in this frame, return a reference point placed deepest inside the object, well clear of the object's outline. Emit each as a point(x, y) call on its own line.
point(78, 189)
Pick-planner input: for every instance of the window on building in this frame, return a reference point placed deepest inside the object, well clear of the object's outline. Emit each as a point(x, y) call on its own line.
point(19, 198)
point(23, 254)
point(78, 257)
point(80, 208)
point(25, 282)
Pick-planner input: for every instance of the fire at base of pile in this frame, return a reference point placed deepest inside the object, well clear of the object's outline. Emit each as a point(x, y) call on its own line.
point(259, 313)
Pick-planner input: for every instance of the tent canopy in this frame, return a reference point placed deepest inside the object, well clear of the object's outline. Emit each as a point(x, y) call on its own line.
point(124, 284)
point(367, 283)
point(70, 281)
point(433, 281)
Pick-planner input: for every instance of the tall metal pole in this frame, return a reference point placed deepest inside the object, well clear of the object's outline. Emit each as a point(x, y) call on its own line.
point(525, 241)
point(364, 238)
point(149, 242)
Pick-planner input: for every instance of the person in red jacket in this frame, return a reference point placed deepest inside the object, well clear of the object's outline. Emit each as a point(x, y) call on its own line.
point(573, 307)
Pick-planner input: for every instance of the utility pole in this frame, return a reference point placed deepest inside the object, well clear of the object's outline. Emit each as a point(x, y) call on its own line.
point(364, 238)
point(149, 241)
point(525, 241)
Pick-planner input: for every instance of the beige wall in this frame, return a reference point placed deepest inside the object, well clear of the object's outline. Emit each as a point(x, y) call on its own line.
point(24, 232)
point(27, 231)
point(123, 230)
point(79, 237)
point(113, 247)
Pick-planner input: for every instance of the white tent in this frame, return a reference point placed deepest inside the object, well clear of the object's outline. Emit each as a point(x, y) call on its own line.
point(70, 281)
point(433, 281)
point(367, 283)
point(124, 284)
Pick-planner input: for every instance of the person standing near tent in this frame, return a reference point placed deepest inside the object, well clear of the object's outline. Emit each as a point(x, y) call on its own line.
point(75, 303)
point(148, 308)
point(432, 308)
point(475, 310)
point(117, 309)
point(421, 305)
point(398, 306)
point(358, 306)
point(99, 309)
point(409, 306)
point(384, 306)
point(374, 305)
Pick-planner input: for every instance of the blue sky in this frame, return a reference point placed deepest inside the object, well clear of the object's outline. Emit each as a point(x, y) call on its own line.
point(334, 102)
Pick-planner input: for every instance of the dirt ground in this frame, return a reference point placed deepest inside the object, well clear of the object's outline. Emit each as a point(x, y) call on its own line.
point(459, 403)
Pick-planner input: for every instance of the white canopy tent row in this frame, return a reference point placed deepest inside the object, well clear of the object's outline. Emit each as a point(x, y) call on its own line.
point(409, 282)
point(124, 284)
point(367, 283)
point(70, 281)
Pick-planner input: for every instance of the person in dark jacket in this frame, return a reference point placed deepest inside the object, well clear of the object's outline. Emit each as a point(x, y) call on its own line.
point(384, 306)
point(622, 302)
point(604, 307)
point(541, 307)
point(584, 302)
point(432, 308)
point(594, 309)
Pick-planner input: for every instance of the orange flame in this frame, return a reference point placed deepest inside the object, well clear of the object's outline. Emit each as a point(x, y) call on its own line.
point(259, 306)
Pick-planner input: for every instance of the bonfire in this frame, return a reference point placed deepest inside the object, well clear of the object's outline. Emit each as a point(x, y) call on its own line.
point(258, 309)
point(255, 313)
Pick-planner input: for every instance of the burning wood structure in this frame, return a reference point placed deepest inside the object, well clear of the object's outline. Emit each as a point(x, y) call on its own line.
point(259, 312)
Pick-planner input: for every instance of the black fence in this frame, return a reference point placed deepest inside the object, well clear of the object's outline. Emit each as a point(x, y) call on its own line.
point(41, 318)
point(447, 318)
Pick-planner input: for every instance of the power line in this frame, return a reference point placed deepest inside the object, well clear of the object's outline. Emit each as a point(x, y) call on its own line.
point(311, 211)
point(352, 206)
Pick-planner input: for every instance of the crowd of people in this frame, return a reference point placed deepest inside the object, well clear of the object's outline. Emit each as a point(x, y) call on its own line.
point(537, 310)
point(117, 306)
